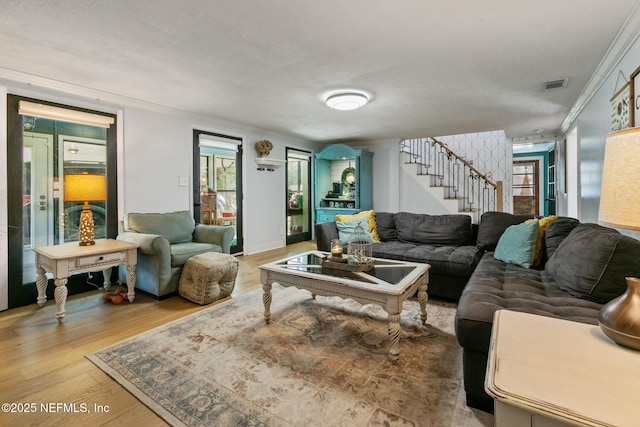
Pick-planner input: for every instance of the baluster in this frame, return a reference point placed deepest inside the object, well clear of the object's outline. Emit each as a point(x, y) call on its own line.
point(456, 179)
point(468, 188)
point(457, 175)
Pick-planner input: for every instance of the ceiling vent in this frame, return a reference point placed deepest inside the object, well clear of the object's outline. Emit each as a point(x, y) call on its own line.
point(555, 84)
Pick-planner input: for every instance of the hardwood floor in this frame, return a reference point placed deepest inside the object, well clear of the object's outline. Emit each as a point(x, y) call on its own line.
point(43, 365)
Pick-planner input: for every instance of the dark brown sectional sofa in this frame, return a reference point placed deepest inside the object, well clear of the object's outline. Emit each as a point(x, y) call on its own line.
point(583, 266)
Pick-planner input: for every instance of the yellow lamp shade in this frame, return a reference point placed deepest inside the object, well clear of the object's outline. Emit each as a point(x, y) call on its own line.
point(85, 188)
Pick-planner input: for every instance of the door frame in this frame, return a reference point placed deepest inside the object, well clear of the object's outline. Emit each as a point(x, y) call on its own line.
point(539, 181)
point(238, 248)
point(20, 294)
point(303, 236)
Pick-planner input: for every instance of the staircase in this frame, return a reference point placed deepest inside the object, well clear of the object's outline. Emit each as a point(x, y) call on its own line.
point(460, 186)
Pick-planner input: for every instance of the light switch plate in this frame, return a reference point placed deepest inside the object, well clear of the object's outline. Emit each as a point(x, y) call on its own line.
point(183, 181)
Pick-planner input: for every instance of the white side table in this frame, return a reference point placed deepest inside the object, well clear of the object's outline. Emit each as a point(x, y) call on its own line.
point(69, 258)
point(550, 372)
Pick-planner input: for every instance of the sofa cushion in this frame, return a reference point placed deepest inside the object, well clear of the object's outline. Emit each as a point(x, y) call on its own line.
point(517, 245)
point(181, 252)
point(593, 261)
point(433, 229)
point(392, 250)
point(371, 225)
point(496, 285)
point(176, 227)
point(453, 261)
point(493, 224)
point(386, 226)
point(555, 233)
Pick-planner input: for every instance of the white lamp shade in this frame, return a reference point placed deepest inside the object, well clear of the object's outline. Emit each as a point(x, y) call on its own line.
point(347, 101)
point(620, 192)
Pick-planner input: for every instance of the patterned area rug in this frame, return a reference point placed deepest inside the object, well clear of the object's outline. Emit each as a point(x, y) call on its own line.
point(320, 362)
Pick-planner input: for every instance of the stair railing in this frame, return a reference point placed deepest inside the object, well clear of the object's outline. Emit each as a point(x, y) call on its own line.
point(456, 175)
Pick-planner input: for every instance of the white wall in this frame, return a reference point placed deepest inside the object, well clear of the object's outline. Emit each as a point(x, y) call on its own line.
point(158, 150)
point(386, 179)
point(573, 179)
point(265, 202)
point(415, 195)
point(591, 127)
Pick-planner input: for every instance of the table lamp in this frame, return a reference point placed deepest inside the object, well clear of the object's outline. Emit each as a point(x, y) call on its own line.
point(85, 188)
point(620, 208)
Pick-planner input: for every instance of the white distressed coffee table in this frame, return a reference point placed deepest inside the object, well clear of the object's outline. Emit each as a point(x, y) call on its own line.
point(388, 285)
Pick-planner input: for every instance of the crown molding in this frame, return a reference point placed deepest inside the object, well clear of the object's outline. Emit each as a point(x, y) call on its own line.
point(626, 37)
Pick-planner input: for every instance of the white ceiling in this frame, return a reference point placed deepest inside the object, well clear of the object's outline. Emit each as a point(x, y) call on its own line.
point(430, 67)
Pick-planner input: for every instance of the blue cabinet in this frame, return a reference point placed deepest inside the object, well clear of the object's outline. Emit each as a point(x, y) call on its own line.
point(343, 179)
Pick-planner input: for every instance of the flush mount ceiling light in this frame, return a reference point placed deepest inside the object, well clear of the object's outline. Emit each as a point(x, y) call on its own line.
point(347, 100)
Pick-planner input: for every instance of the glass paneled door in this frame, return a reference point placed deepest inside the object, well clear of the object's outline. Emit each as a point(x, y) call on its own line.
point(37, 215)
point(46, 142)
point(298, 194)
point(218, 182)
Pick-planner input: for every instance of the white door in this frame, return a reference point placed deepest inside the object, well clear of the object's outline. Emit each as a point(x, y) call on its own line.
point(37, 203)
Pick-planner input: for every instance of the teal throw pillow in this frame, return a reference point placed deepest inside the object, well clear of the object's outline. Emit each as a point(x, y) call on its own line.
point(517, 245)
point(346, 229)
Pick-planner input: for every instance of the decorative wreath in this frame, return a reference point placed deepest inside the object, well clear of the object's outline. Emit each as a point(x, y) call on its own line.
point(346, 172)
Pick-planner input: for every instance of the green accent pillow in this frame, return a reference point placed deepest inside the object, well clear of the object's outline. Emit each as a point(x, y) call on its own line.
point(517, 245)
point(346, 228)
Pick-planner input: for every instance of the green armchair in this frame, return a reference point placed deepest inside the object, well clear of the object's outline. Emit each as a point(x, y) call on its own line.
point(165, 242)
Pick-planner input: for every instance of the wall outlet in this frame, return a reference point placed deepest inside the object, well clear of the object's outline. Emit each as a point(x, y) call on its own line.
point(281, 231)
point(183, 181)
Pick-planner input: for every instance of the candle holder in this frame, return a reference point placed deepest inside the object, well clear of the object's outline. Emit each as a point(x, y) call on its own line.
point(336, 248)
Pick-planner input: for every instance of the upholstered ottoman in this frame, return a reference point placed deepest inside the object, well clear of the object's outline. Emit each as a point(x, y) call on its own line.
point(208, 277)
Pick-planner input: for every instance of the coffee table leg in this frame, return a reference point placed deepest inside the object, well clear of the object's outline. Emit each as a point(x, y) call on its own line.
point(266, 300)
point(422, 299)
point(394, 337)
